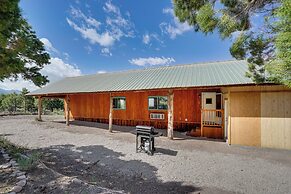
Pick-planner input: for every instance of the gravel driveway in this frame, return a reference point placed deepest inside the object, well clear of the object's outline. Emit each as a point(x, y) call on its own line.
point(182, 165)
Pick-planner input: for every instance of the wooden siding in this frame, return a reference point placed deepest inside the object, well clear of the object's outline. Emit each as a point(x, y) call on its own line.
point(276, 120)
point(260, 116)
point(95, 107)
point(245, 114)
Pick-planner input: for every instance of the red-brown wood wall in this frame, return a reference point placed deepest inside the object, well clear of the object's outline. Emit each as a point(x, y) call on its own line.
point(95, 107)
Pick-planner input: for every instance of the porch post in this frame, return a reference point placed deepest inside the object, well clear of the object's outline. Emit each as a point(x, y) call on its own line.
point(67, 110)
point(39, 108)
point(170, 114)
point(229, 120)
point(202, 116)
point(110, 113)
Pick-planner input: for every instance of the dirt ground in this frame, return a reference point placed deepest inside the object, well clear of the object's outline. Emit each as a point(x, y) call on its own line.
point(86, 158)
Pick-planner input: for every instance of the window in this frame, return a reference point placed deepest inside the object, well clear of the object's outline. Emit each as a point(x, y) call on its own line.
point(119, 103)
point(158, 103)
point(157, 116)
point(208, 100)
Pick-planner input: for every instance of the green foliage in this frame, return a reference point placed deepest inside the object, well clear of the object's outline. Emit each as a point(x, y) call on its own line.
point(30, 162)
point(206, 18)
point(11, 148)
point(53, 104)
point(21, 103)
point(12, 102)
point(28, 101)
point(237, 49)
point(25, 162)
point(227, 25)
point(2, 96)
point(256, 46)
point(21, 52)
point(185, 10)
point(266, 49)
point(280, 68)
point(58, 111)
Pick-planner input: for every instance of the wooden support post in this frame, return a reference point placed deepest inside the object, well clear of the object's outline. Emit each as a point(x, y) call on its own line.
point(110, 113)
point(201, 132)
point(67, 110)
point(39, 108)
point(170, 114)
point(201, 117)
point(229, 120)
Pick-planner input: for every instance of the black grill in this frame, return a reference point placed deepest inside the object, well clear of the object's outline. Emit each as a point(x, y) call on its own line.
point(145, 139)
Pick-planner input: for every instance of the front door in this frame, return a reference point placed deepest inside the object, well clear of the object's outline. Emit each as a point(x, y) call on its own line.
point(209, 100)
point(209, 103)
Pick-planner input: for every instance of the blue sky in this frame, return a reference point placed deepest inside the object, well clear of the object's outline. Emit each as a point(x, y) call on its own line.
point(88, 37)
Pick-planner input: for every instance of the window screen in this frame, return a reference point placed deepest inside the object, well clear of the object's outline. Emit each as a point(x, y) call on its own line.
point(208, 100)
point(119, 103)
point(158, 103)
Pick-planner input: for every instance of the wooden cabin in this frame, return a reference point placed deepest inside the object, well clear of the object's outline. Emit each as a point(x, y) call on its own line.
point(213, 100)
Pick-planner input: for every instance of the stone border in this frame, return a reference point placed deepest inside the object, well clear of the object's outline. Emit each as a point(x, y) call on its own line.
point(20, 175)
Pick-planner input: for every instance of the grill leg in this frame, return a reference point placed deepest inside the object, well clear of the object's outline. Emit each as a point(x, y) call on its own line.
point(136, 142)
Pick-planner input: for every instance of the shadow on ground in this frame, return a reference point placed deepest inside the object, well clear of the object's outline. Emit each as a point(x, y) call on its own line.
point(116, 128)
point(131, 129)
point(97, 166)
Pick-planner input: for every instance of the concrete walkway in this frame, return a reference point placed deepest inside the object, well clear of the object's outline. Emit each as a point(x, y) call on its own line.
point(190, 164)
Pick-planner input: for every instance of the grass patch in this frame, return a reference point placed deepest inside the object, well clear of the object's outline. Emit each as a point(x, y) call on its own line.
point(17, 152)
point(12, 149)
point(29, 162)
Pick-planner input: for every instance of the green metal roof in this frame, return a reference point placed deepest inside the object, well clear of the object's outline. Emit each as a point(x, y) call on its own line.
point(178, 76)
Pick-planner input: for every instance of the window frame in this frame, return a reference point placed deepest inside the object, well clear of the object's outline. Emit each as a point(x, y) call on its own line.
point(118, 97)
point(160, 109)
point(208, 99)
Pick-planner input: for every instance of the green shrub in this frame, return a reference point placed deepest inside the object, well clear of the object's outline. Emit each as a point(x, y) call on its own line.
point(11, 148)
point(29, 162)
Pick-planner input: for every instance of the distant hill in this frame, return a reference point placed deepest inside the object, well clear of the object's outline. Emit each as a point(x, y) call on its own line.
point(3, 91)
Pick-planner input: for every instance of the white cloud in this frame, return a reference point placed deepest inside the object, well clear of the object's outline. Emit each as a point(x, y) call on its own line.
point(66, 55)
point(109, 7)
point(88, 49)
point(17, 85)
point(174, 28)
point(52, 50)
point(236, 34)
point(101, 71)
point(115, 28)
point(118, 25)
point(89, 21)
point(168, 10)
point(58, 70)
point(146, 39)
point(55, 71)
point(48, 45)
point(104, 39)
point(151, 61)
point(106, 52)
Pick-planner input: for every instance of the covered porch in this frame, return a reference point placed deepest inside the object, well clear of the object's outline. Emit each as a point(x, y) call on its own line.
point(207, 107)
